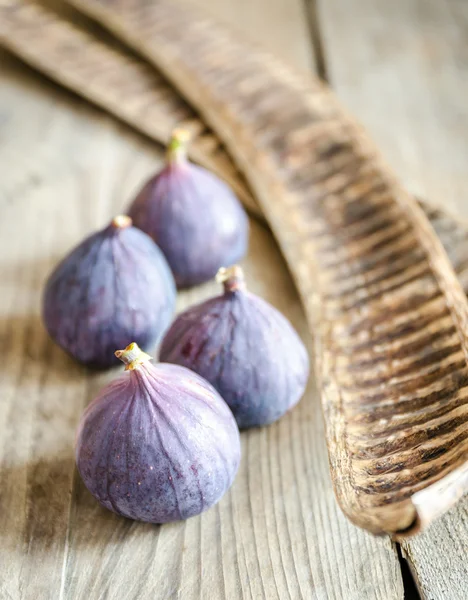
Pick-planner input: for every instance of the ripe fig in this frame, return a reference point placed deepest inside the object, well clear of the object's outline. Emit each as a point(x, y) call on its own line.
point(115, 287)
point(193, 216)
point(158, 444)
point(245, 348)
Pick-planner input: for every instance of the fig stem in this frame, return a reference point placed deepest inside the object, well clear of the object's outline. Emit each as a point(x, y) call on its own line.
point(177, 147)
point(132, 357)
point(121, 222)
point(232, 278)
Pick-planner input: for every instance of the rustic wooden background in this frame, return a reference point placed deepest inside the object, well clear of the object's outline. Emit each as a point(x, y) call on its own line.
point(66, 169)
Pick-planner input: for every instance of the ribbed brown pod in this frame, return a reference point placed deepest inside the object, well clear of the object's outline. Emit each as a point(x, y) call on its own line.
point(390, 314)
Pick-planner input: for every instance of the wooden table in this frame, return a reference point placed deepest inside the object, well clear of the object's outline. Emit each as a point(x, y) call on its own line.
point(401, 67)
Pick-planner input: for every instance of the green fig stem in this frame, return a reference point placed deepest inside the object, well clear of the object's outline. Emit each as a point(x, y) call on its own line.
point(121, 222)
point(177, 147)
point(232, 278)
point(132, 357)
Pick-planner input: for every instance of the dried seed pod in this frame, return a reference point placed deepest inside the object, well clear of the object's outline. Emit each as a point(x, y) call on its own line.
point(193, 216)
point(244, 347)
point(113, 288)
point(158, 444)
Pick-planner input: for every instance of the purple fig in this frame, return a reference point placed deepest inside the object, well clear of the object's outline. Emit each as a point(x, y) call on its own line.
point(245, 348)
point(158, 444)
point(113, 288)
point(193, 216)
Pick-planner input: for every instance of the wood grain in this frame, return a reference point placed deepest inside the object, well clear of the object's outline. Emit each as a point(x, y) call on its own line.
point(278, 534)
point(439, 584)
point(287, 157)
point(409, 89)
point(413, 83)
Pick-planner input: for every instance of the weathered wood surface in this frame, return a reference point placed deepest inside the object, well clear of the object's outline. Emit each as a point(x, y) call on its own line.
point(409, 88)
point(382, 591)
point(66, 169)
point(402, 68)
point(336, 210)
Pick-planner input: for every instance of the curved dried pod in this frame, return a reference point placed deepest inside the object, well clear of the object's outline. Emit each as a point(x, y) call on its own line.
point(389, 313)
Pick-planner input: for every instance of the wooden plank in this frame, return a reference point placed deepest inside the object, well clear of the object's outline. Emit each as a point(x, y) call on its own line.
point(401, 68)
point(277, 534)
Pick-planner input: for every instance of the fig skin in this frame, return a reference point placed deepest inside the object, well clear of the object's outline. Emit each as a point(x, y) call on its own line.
point(193, 216)
point(245, 348)
point(115, 287)
point(158, 444)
